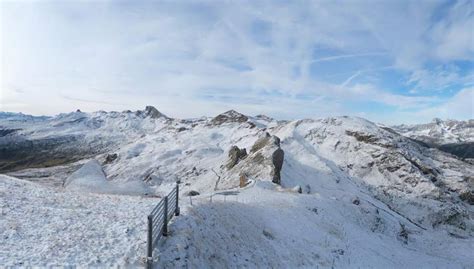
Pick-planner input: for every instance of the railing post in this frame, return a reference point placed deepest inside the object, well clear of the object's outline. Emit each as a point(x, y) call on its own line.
point(149, 259)
point(176, 210)
point(165, 219)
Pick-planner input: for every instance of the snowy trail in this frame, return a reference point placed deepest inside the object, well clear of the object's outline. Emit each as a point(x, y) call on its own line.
point(43, 226)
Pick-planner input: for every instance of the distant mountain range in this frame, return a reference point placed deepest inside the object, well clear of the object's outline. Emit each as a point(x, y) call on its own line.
point(455, 137)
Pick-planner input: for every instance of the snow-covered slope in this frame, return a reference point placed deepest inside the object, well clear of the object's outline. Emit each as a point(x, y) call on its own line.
point(41, 226)
point(260, 227)
point(358, 173)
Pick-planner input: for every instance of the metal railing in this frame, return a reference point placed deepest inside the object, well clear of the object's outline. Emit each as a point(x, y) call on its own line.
point(158, 221)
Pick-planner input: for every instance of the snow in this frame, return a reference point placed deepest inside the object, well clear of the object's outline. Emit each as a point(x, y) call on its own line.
point(91, 178)
point(335, 161)
point(439, 131)
point(259, 227)
point(42, 226)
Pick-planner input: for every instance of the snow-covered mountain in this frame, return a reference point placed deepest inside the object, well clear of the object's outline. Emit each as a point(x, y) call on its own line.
point(439, 131)
point(365, 189)
point(452, 136)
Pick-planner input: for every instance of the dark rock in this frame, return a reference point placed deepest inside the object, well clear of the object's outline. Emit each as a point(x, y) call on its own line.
point(297, 189)
point(268, 234)
point(356, 201)
point(403, 234)
point(468, 197)
point(362, 137)
point(235, 155)
point(338, 251)
point(192, 193)
point(110, 158)
point(277, 160)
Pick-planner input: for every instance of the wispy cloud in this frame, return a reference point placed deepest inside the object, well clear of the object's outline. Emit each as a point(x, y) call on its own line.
point(293, 59)
point(346, 56)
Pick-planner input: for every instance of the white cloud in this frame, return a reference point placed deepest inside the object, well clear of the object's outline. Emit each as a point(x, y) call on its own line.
point(190, 59)
point(454, 36)
point(460, 106)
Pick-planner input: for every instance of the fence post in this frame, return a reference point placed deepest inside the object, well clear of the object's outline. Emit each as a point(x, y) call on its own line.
point(149, 259)
point(176, 210)
point(165, 219)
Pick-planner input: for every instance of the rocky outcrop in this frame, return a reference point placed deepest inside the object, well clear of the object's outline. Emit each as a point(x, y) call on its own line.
point(277, 160)
point(152, 112)
point(229, 116)
point(468, 197)
point(110, 158)
point(235, 155)
point(243, 181)
point(263, 162)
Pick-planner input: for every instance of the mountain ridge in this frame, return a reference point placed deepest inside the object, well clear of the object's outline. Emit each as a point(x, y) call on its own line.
point(388, 184)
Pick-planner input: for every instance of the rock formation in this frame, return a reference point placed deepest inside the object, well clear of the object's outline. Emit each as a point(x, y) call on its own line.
point(229, 116)
point(235, 155)
point(264, 162)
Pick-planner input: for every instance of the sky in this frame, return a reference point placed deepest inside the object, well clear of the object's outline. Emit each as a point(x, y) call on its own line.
point(388, 61)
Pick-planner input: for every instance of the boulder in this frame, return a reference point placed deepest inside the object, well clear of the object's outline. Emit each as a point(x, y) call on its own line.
point(110, 158)
point(356, 200)
point(277, 160)
point(192, 193)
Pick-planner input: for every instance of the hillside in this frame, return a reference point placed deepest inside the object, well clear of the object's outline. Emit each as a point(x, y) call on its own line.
point(348, 187)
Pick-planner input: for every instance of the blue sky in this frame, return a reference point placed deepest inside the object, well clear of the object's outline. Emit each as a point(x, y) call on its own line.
point(388, 61)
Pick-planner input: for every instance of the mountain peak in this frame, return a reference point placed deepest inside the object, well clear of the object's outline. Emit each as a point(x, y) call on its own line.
point(229, 116)
point(437, 121)
point(152, 112)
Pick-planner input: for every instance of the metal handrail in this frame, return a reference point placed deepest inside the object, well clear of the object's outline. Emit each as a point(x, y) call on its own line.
point(158, 220)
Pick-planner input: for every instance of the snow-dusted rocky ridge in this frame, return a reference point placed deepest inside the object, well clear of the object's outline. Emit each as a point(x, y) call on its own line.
point(370, 196)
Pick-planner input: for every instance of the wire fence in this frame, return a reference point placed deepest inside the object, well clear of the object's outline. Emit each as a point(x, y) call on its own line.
point(158, 221)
